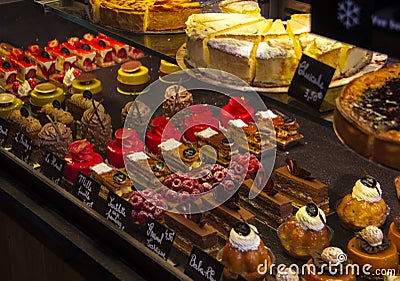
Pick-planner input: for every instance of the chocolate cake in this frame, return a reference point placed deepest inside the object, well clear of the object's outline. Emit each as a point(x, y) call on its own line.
point(273, 209)
point(191, 233)
point(302, 190)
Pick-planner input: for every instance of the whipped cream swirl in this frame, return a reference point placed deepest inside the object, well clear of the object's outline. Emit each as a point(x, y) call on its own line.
point(306, 221)
point(250, 242)
point(367, 189)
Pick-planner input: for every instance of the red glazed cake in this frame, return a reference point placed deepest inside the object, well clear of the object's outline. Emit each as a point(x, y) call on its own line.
point(104, 53)
point(46, 64)
point(125, 142)
point(200, 119)
point(79, 159)
point(161, 129)
point(84, 53)
point(64, 58)
point(236, 108)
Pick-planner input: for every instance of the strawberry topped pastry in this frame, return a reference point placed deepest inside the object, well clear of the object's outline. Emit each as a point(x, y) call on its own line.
point(23, 89)
point(26, 69)
point(135, 53)
point(85, 55)
point(46, 64)
point(8, 74)
point(64, 79)
point(120, 50)
point(64, 58)
point(104, 53)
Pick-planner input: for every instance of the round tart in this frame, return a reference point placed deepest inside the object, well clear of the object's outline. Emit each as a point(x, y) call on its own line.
point(367, 115)
point(87, 81)
point(45, 93)
point(8, 103)
point(132, 78)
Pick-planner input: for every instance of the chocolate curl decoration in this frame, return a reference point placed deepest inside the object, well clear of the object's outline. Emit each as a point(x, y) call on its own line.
point(269, 188)
point(97, 113)
point(53, 123)
point(296, 171)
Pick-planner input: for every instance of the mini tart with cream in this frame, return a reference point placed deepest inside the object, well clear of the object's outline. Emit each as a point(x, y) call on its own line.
point(244, 252)
point(371, 246)
point(330, 264)
point(306, 232)
point(132, 78)
point(364, 206)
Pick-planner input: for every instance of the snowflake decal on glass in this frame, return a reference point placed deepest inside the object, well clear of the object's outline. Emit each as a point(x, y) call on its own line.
point(349, 13)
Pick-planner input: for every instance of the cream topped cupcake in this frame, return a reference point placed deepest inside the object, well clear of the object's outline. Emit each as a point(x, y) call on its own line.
point(306, 232)
point(245, 254)
point(364, 206)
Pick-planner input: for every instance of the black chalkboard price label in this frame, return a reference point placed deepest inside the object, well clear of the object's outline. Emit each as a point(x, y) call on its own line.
point(86, 189)
point(4, 130)
point(158, 238)
point(53, 167)
point(201, 266)
point(118, 210)
point(22, 146)
point(311, 81)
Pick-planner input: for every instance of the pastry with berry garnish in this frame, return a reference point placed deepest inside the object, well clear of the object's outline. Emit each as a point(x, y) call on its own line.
point(46, 64)
point(64, 58)
point(147, 204)
point(120, 50)
point(23, 89)
point(84, 54)
point(26, 69)
point(8, 74)
point(104, 52)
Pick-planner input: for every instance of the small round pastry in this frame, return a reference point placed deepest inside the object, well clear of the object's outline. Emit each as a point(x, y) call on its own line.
point(370, 246)
point(8, 103)
point(176, 98)
point(394, 232)
point(56, 138)
point(237, 108)
point(97, 128)
point(306, 232)
point(245, 254)
point(125, 142)
point(287, 274)
point(364, 206)
point(132, 78)
point(87, 82)
point(79, 159)
point(45, 93)
point(167, 68)
point(330, 264)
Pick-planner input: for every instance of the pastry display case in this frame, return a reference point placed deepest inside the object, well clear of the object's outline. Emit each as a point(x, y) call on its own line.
point(27, 194)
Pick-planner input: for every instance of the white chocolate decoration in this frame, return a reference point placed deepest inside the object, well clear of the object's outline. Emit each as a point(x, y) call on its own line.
point(373, 235)
point(333, 255)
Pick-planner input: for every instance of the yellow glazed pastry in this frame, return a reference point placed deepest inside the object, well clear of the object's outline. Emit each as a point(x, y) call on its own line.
point(45, 93)
point(364, 206)
point(132, 78)
point(371, 247)
point(8, 103)
point(306, 232)
point(87, 82)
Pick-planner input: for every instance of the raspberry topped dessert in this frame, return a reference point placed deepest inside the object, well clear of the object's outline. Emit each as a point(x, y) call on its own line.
point(104, 52)
point(46, 64)
point(120, 50)
point(84, 53)
point(147, 204)
point(64, 58)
